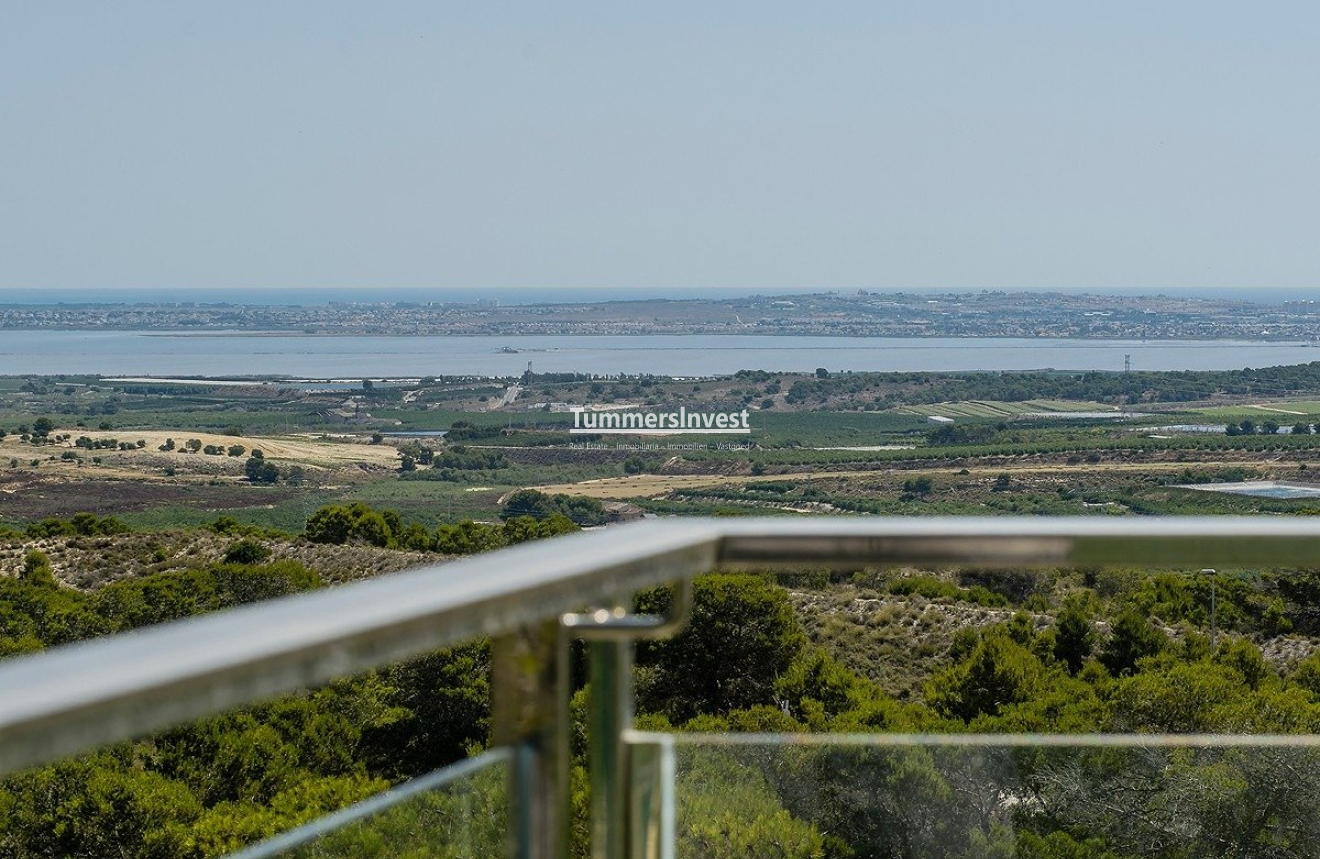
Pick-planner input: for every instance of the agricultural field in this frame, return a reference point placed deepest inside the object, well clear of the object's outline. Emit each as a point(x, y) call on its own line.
point(993, 409)
point(445, 450)
point(1283, 411)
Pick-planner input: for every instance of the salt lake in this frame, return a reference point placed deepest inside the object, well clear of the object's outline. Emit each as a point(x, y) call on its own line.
point(115, 352)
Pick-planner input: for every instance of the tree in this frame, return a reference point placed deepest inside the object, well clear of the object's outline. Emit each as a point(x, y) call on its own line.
point(1301, 428)
point(998, 672)
point(919, 486)
point(367, 384)
point(37, 570)
point(193, 445)
point(338, 524)
point(538, 505)
point(742, 636)
point(1074, 637)
point(259, 470)
point(1270, 427)
point(1133, 638)
point(822, 373)
point(1247, 427)
point(442, 702)
point(42, 427)
point(332, 525)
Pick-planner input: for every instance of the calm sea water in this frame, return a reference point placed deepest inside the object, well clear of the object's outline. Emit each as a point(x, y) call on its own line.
point(162, 354)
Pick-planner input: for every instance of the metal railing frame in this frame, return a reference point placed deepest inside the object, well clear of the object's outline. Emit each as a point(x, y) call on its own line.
point(529, 600)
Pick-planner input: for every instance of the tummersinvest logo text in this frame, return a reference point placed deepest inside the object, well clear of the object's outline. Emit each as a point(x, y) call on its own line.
point(624, 422)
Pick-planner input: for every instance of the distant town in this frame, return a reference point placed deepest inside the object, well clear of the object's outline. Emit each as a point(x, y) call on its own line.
point(859, 313)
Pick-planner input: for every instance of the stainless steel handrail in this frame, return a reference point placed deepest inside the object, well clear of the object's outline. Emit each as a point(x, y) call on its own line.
point(74, 698)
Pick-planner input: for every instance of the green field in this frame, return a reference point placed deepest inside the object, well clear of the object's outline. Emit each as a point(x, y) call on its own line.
point(1282, 411)
point(1000, 409)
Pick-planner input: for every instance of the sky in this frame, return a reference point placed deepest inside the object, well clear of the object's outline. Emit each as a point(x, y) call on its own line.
point(639, 146)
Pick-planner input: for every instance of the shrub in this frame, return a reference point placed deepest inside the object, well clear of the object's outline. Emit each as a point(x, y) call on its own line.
point(247, 552)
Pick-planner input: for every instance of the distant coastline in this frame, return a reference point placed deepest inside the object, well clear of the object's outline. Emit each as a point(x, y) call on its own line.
point(860, 314)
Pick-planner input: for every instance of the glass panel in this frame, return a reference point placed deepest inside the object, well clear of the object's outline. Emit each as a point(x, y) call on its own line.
point(454, 813)
point(958, 798)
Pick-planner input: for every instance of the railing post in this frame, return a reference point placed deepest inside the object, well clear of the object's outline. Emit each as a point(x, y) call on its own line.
point(609, 715)
point(651, 787)
point(611, 634)
point(529, 695)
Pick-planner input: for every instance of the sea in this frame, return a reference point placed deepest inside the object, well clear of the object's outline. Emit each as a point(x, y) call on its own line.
point(240, 354)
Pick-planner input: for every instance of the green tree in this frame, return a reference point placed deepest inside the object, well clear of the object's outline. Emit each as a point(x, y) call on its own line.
point(917, 486)
point(258, 470)
point(37, 570)
point(998, 672)
point(1133, 638)
point(333, 524)
point(1074, 637)
point(741, 637)
point(439, 710)
point(95, 807)
point(339, 524)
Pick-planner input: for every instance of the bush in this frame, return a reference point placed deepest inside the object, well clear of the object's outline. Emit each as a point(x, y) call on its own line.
point(258, 470)
point(538, 505)
point(247, 552)
point(339, 524)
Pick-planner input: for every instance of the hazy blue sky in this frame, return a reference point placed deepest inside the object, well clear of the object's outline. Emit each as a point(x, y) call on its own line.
point(757, 145)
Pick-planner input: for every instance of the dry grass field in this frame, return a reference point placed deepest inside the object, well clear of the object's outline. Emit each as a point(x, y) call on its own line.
point(310, 452)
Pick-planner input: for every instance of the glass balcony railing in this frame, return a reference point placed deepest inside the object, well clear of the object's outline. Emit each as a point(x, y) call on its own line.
point(972, 796)
point(699, 795)
point(459, 812)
